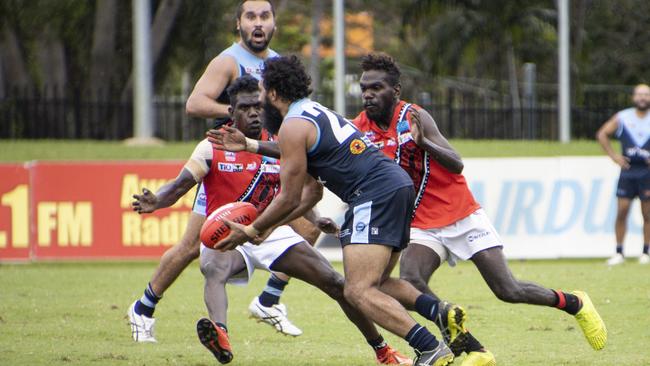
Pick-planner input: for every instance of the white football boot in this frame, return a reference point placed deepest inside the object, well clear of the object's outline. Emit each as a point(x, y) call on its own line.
point(276, 316)
point(141, 326)
point(616, 260)
point(644, 259)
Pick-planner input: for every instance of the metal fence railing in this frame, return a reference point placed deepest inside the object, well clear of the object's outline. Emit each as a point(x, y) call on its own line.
point(58, 113)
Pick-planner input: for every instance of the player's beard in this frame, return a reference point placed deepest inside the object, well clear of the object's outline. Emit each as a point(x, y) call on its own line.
point(248, 40)
point(272, 117)
point(642, 106)
point(381, 115)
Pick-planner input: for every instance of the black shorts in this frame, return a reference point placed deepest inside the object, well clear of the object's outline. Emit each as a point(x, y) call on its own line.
point(384, 220)
point(633, 184)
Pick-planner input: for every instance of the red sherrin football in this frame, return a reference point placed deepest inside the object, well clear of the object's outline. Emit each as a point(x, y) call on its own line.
point(214, 229)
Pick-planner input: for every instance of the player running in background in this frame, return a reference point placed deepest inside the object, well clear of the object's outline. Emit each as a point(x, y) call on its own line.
point(448, 223)
point(316, 141)
point(248, 177)
point(256, 25)
point(632, 127)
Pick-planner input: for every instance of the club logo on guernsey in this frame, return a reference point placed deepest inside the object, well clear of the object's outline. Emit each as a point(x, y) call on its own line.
point(230, 156)
point(357, 146)
point(253, 70)
point(270, 168)
point(230, 167)
point(405, 137)
point(251, 166)
point(202, 200)
point(360, 226)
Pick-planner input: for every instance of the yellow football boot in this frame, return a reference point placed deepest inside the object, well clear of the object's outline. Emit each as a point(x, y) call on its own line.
point(591, 323)
point(479, 358)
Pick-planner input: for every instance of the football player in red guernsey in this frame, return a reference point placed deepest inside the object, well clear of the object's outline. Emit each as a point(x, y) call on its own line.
point(256, 25)
point(448, 224)
point(243, 176)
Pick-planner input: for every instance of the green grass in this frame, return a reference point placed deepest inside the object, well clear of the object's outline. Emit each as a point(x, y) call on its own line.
point(74, 314)
point(24, 150)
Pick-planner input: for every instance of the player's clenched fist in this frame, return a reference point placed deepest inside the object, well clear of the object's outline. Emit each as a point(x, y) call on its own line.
point(327, 225)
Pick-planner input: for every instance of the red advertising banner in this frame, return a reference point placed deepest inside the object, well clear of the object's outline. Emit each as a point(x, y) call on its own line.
point(14, 212)
point(83, 210)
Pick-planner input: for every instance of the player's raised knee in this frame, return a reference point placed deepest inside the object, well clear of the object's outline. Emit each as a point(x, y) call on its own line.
point(353, 293)
point(414, 279)
point(334, 285)
point(215, 269)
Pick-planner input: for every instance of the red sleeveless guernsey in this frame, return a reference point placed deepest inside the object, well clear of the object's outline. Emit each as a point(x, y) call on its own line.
point(442, 198)
point(241, 176)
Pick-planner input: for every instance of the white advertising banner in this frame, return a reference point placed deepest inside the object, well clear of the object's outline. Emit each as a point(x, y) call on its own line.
point(557, 207)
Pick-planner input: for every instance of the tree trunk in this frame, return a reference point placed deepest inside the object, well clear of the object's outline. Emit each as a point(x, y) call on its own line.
point(14, 62)
point(513, 84)
point(314, 65)
point(52, 62)
point(2, 74)
point(102, 53)
point(163, 23)
point(576, 49)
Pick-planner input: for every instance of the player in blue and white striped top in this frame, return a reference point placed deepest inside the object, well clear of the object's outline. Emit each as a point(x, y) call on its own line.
point(632, 128)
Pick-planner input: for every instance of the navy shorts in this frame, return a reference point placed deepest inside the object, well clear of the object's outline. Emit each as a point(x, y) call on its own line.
point(384, 220)
point(634, 183)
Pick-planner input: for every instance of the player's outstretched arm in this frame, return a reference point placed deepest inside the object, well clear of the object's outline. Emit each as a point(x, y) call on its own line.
point(202, 102)
point(294, 136)
point(166, 196)
point(231, 139)
point(426, 134)
point(603, 135)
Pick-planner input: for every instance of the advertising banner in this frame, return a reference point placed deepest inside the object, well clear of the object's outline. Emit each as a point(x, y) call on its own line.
point(83, 210)
point(555, 207)
point(14, 212)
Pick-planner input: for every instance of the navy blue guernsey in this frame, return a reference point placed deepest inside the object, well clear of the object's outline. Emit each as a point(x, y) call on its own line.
point(634, 134)
point(343, 159)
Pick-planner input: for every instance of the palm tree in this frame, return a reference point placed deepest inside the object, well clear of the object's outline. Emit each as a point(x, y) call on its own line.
point(477, 37)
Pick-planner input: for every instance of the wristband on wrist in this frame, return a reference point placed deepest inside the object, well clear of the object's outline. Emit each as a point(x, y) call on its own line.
point(251, 231)
point(252, 145)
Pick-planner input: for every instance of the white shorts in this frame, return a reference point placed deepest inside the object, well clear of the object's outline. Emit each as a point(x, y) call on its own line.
point(460, 240)
point(200, 201)
point(262, 256)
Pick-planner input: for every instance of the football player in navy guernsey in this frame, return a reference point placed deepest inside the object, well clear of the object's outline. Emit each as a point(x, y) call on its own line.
point(632, 127)
point(284, 250)
point(316, 143)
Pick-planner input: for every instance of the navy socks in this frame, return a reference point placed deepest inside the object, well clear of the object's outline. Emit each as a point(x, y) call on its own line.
point(272, 292)
point(147, 303)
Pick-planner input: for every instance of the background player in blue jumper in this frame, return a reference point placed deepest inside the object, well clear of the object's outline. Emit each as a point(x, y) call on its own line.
point(631, 127)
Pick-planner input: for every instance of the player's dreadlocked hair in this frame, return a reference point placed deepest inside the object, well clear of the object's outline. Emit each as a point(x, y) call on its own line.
point(287, 76)
point(244, 84)
point(240, 8)
point(382, 62)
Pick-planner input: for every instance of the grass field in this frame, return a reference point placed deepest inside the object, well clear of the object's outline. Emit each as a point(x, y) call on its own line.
point(74, 314)
point(23, 150)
